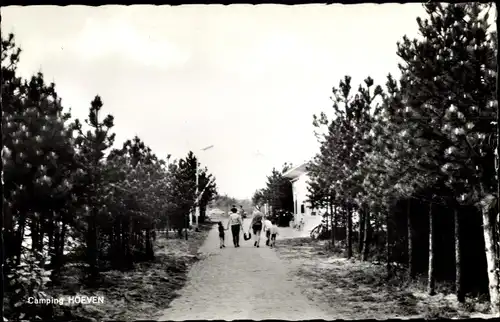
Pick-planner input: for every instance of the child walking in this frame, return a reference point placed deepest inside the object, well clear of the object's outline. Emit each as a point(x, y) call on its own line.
point(221, 234)
point(274, 233)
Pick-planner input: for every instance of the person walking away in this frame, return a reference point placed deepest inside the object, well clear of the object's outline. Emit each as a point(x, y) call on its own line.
point(236, 224)
point(243, 214)
point(256, 225)
point(274, 233)
point(267, 228)
point(221, 234)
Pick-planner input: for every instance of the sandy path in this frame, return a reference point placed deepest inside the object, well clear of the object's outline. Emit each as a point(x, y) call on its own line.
point(240, 283)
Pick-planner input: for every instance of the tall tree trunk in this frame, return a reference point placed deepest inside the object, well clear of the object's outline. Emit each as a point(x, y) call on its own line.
point(492, 262)
point(149, 245)
point(111, 241)
point(325, 221)
point(366, 241)
point(128, 243)
point(431, 279)
point(92, 246)
point(203, 212)
point(335, 222)
point(458, 258)
point(497, 235)
point(3, 259)
point(362, 216)
point(139, 239)
point(167, 223)
point(376, 229)
point(411, 264)
point(187, 226)
point(349, 232)
point(497, 238)
point(117, 246)
point(56, 256)
point(34, 232)
point(54, 250)
point(7, 237)
point(388, 244)
point(50, 230)
point(41, 235)
point(331, 222)
point(123, 241)
point(344, 223)
point(62, 239)
point(133, 235)
point(20, 237)
point(9, 234)
point(144, 238)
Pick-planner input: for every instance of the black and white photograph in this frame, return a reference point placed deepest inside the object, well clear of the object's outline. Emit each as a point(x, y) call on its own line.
point(250, 162)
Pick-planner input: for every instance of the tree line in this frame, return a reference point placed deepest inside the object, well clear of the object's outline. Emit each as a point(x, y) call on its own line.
point(415, 163)
point(225, 202)
point(70, 197)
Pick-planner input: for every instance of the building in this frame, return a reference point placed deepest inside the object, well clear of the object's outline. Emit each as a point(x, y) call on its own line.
point(302, 208)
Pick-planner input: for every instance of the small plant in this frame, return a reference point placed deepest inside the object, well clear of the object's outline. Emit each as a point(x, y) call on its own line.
point(26, 284)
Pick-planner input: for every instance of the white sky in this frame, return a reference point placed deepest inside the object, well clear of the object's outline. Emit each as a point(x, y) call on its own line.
point(244, 78)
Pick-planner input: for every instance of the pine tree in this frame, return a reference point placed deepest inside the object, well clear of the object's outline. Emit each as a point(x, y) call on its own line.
point(449, 80)
point(206, 184)
point(91, 151)
point(38, 159)
point(183, 189)
point(397, 149)
point(258, 199)
point(343, 149)
point(278, 191)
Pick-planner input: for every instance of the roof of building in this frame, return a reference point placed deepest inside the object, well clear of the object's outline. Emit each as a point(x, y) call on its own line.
point(296, 171)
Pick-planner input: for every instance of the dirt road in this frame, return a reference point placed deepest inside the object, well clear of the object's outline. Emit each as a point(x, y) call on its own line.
point(240, 283)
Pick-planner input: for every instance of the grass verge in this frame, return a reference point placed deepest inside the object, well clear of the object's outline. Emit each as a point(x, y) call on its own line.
point(143, 291)
point(352, 289)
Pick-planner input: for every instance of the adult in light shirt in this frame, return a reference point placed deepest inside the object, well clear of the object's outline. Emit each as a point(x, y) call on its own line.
point(267, 228)
point(236, 225)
